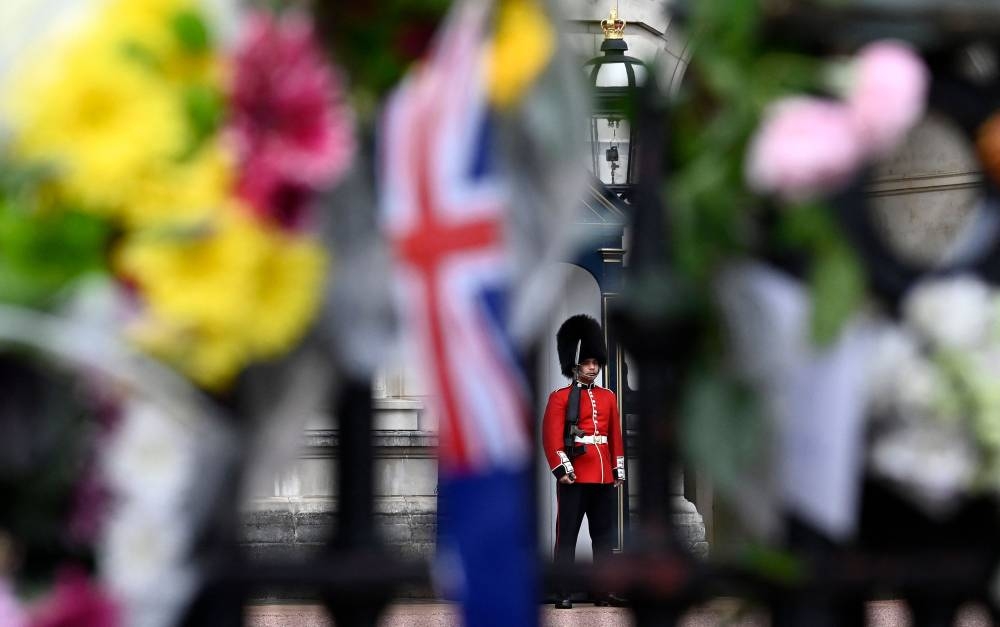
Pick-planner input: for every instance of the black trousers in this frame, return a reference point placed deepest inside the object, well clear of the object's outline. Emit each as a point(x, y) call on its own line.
point(597, 501)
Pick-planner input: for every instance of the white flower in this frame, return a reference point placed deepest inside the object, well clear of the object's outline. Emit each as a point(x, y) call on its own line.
point(919, 386)
point(150, 458)
point(894, 349)
point(935, 464)
point(954, 313)
point(142, 560)
point(902, 382)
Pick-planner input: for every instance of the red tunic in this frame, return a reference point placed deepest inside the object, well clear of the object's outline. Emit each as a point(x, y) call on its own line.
point(598, 417)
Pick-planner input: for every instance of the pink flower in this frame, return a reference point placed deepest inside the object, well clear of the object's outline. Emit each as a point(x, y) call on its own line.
point(289, 121)
point(76, 601)
point(11, 612)
point(803, 148)
point(888, 94)
point(278, 198)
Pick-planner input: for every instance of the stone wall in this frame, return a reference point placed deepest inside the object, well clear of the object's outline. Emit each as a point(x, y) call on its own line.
point(294, 516)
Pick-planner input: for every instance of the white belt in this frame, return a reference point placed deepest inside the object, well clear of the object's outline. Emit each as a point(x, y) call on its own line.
point(591, 439)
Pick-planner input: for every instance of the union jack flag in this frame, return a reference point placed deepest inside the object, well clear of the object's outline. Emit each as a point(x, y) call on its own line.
point(444, 206)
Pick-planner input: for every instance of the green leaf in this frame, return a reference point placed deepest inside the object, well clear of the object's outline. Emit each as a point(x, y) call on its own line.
point(837, 286)
point(191, 31)
point(205, 107)
point(139, 53)
point(727, 25)
point(40, 254)
point(773, 564)
point(806, 226)
point(723, 430)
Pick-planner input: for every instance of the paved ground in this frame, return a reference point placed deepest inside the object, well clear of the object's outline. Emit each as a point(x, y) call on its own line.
point(881, 614)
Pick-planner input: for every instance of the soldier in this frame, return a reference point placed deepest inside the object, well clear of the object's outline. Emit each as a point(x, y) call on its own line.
point(582, 437)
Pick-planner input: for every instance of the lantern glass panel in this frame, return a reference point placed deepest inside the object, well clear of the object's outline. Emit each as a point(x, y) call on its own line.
point(609, 141)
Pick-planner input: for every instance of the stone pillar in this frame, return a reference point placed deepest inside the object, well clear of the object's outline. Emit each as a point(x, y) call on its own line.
point(379, 387)
point(689, 523)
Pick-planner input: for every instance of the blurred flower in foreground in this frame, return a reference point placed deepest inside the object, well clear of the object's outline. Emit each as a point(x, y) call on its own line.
point(199, 159)
point(108, 106)
point(149, 175)
point(11, 612)
point(76, 600)
point(988, 146)
point(888, 93)
point(97, 116)
point(807, 147)
point(934, 393)
point(142, 562)
point(149, 456)
point(289, 122)
point(953, 313)
point(220, 295)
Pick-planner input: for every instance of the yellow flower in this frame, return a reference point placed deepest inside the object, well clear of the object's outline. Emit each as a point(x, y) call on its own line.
point(149, 30)
point(289, 292)
point(182, 192)
point(211, 356)
point(220, 297)
point(521, 48)
point(118, 106)
point(101, 118)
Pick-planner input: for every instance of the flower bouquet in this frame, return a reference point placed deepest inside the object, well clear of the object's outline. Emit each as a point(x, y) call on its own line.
point(823, 375)
point(161, 169)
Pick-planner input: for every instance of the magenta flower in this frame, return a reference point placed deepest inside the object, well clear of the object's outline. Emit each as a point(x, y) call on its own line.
point(91, 501)
point(289, 121)
point(803, 148)
point(888, 94)
point(76, 601)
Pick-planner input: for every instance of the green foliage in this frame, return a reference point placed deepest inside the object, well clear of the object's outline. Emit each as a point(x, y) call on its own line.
point(191, 32)
point(775, 565)
point(836, 279)
point(837, 290)
point(140, 54)
point(376, 42)
point(716, 219)
point(43, 250)
point(205, 108)
point(724, 431)
point(733, 76)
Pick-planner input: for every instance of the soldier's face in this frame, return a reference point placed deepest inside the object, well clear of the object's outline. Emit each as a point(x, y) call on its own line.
point(588, 370)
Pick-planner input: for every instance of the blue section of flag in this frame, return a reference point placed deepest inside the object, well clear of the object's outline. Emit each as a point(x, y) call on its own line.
point(495, 301)
point(481, 164)
point(486, 548)
point(496, 304)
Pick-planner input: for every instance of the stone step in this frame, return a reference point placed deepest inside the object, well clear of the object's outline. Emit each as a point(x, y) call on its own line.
point(722, 612)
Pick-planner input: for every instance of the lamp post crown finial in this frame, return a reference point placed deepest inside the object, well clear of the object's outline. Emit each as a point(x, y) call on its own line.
point(613, 26)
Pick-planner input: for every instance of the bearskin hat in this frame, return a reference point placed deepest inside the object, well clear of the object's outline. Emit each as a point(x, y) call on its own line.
point(580, 337)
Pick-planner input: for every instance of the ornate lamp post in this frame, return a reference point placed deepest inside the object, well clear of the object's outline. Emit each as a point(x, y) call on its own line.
point(615, 77)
